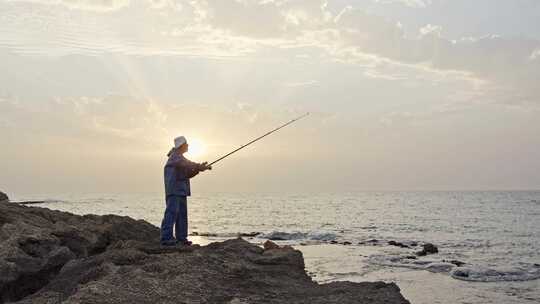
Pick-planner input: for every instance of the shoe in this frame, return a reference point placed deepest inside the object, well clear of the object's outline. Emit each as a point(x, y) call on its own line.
point(184, 243)
point(169, 243)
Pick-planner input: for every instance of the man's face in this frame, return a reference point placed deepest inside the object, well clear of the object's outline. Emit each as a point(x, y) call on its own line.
point(184, 148)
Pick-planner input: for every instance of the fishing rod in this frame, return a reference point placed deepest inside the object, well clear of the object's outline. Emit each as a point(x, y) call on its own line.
point(259, 138)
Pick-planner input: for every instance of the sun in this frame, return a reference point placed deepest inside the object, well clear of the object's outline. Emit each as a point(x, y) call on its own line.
point(197, 148)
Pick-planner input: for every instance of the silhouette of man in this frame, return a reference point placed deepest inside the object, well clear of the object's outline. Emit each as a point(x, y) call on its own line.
point(177, 172)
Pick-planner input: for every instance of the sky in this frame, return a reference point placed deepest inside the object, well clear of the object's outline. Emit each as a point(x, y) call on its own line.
point(404, 94)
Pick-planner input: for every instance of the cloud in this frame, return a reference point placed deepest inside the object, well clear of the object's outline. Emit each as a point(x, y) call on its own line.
point(535, 54)
point(120, 123)
point(258, 29)
point(92, 5)
point(301, 83)
point(410, 3)
point(431, 29)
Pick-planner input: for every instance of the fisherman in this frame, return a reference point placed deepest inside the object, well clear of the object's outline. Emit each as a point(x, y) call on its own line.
point(178, 171)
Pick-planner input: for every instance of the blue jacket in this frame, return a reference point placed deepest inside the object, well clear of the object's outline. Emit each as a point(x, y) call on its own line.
point(177, 172)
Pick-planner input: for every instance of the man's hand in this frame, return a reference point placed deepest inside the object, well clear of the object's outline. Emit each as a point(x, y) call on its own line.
point(205, 166)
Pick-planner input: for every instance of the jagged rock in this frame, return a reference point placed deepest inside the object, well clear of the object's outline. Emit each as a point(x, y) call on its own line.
point(270, 245)
point(3, 197)
point(51, 257)
point(35, 243)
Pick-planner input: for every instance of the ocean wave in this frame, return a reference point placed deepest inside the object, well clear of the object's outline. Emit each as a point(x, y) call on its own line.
point(407, 261)
point(45, 201)
point(293, 236)
point(225, 234)
point(480, 274)
point(457, 271)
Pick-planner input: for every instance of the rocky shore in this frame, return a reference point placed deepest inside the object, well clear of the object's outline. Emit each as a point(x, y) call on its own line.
point(50, 256)
point(3, 197)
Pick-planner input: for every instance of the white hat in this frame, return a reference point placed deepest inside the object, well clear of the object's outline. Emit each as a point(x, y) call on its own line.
point(179, 141)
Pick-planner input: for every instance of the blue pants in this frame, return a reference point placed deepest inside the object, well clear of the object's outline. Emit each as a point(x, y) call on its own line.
point(175, 215)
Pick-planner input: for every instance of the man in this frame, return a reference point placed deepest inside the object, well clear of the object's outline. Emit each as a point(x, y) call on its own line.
point(178, 171)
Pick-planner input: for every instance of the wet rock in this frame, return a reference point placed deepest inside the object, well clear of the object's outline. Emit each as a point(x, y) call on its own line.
point(398, 244)
point(428, 248)
point(284, 236)
point(464, 273)
point(439, 267)
point(369, 242)
point(249, 234)
point(205, 234)
point(3, 197)
point(455, 262)
point(50, 256)
point(30, 202)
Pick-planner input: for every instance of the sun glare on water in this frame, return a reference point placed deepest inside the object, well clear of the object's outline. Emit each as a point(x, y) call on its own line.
point(197, 149)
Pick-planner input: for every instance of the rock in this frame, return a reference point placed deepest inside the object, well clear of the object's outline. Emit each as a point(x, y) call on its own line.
point(369, 242)
point(464, 273)
point(3, 197)
point(347, 243)
point(270, 245)
point(205, 234)
point(398, 244)
point(51, 256)
point(428, 248)
point(35, 243)
point(30, 202)
point(439, 267)
point(248, 234)
point(455, 262)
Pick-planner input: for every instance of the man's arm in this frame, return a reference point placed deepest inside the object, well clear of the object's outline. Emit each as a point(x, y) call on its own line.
point(191, 169)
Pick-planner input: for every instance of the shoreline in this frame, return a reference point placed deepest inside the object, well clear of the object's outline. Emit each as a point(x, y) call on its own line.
point(319, 251)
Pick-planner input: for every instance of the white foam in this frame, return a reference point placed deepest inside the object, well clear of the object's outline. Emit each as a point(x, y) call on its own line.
point(472, 273)
point(292, 236)
point(480, 274)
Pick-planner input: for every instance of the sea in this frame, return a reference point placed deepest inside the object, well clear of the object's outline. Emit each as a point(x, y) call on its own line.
point(488, 241)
